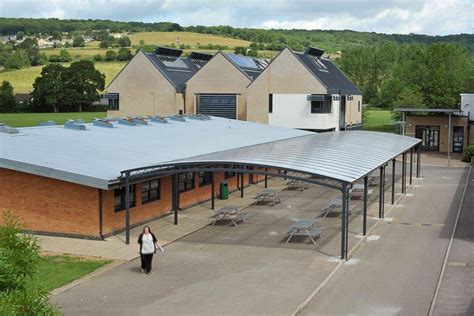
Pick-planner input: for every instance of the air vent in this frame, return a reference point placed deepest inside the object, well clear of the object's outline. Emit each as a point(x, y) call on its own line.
point(47, 123)
point(158, 119)
point(102, 123)
point(70, 124)
point(8, 129)
point(127, 122)
point(177, 118)
point(139, 120)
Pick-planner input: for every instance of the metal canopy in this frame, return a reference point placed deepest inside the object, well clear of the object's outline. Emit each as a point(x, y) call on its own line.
point(341, 156)
point(427, 110)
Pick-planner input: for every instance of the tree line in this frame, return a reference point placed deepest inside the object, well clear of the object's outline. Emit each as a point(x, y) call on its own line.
point(272, 39)
point(410, 75)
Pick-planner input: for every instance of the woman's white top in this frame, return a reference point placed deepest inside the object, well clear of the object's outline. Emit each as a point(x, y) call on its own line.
point(147, 244)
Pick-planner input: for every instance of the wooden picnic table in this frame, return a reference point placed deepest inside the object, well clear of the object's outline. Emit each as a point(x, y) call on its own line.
point(305, 226)
point(269, 195)
point(231, 212)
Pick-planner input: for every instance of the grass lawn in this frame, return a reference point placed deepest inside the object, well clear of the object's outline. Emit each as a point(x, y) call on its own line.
point(22, 80)
point(379, 120)
point(33, 119)
point(187, 38)
point(56, 271)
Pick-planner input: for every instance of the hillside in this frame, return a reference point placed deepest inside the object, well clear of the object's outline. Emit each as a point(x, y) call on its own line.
point(330, 40)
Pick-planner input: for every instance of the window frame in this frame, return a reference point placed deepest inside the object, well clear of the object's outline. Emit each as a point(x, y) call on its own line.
point(323, 107)
point(132, 203)
point(187, 181)
point(147, 193)
point(270, 103)
point(114, 104)
point(205, 178)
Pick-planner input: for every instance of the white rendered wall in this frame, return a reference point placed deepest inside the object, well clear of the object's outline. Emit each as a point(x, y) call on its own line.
point(294, 111)
point(467, 105)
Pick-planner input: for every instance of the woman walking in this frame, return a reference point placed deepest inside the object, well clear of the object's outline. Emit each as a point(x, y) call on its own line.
point(147, 245)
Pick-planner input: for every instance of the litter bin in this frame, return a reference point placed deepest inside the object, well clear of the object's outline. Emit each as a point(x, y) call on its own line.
point(224, 191)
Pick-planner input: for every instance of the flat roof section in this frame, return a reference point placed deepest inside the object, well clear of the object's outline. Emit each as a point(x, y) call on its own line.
point(96, 156)
point(427, 110)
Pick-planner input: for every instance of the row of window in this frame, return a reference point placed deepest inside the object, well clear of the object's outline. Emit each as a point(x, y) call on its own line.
point(151, 189)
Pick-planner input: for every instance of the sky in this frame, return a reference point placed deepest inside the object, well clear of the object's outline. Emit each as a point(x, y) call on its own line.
point(432, 17)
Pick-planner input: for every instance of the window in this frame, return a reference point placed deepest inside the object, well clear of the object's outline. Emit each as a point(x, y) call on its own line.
point(114, 104)
point(321, 106)
point(229, 174)
point(358, 106)
point(270, 103)
point(119, 198)
point(150, 191)
point(205, 178)
point(185, 181)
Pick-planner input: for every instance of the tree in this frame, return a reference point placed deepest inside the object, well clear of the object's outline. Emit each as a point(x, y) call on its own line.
point(124, 54)
point(110, 55)
point(7, 98)
point(142, 42)
point(18, 59)
point(124, 41)
point(78, 41)
point(65, 56)
point(30, 45)
point(20, 255)
point(83, 84)
point(20, 35)
point(49, 89)
point(56, 35)
point(104, 44)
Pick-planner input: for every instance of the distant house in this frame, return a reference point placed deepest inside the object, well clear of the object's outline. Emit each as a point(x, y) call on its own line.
point(152, 83)
point(220, 87)
point(44, 43)
point(23, 98)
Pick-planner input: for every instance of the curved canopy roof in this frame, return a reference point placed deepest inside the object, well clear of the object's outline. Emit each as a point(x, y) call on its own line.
point(343, 156)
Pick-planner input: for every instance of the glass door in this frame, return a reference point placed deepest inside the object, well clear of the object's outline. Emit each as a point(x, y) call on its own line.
point(458, 139)
point(429, 136)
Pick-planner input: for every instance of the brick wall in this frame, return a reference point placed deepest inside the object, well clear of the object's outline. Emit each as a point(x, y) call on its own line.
point(53, 206)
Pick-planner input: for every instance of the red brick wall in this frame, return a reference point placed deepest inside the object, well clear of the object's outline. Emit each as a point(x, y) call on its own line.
point(49, 205)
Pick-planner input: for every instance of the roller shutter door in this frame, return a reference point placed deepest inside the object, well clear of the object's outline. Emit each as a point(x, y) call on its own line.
point(221, 105)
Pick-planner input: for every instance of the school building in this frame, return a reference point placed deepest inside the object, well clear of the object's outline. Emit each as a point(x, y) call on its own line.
point(303, 90)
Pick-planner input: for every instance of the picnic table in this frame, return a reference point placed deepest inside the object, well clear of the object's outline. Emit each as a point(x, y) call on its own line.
point(358, 191)
point(305, 226)
point(231, 212)
point(296, 184)
point(268, 195)
point(335, 205)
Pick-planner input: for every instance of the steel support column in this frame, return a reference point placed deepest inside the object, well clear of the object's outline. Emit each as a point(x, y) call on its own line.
point(242, 184)
point(213, 195)
point(175, 197)
point(411, 166)
point(380, 192)
point(418, 160)
point(347, 223)
point(393, 181)
point(344, 218)
point(404, 170)
point(266, 178)
point(127, 208)
point(383, 192)
point(364, 229)
point(449, 138)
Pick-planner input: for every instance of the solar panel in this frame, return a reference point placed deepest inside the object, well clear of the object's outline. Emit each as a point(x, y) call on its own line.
point(243, 61)
point(313, 51)
point(166, 51)
point(200, 56)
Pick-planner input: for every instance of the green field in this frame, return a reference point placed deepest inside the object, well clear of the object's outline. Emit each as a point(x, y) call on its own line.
point(22, 80)
point(56, 271)
point(379, 120)
point(187, 38)
point(33, 119)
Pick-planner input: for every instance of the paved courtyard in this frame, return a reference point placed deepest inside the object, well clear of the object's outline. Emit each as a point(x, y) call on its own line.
point(250, 270)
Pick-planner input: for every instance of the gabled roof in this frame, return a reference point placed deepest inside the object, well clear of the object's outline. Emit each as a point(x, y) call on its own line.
point(252, 67)
point(329, 74)
point(175, 68)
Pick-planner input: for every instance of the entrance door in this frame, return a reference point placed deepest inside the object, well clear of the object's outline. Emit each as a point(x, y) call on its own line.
point(429, 136)
point(458, 139)
point(221, 105)
point(342, 112)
